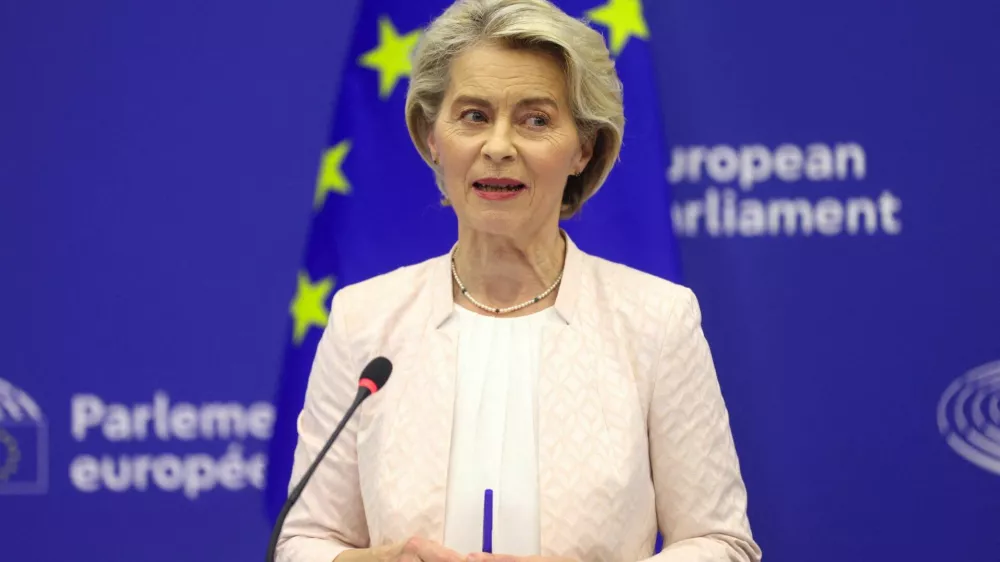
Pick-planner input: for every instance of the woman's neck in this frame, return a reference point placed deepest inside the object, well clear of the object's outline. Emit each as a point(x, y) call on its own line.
point(499, 271)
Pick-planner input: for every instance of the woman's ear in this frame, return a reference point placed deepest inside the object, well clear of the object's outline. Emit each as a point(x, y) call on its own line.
point(432, 146)
point(586, 153)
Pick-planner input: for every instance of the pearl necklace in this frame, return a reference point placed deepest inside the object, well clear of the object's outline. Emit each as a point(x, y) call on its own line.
point(461, 286)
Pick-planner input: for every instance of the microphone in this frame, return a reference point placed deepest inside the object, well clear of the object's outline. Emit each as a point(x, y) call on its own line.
point(373, 377)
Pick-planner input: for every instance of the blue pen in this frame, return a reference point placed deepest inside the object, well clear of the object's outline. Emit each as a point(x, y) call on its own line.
point(488, 522)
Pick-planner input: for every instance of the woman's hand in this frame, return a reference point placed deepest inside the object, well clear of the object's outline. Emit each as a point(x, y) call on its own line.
point(423, 550)
point(414, 550)
point(482, 557)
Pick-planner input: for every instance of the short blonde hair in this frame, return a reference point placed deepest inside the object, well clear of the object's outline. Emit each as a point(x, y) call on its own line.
point(595, 91)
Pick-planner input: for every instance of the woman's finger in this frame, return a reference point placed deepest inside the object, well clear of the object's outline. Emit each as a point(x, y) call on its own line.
point(430, 551)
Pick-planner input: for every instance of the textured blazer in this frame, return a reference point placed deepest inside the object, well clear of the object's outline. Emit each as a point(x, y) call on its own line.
point(632, 427)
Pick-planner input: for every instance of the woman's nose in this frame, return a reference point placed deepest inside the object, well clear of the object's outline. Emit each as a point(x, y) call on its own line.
point(498, 146)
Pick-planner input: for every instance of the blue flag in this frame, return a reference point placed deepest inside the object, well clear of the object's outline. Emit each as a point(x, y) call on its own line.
point(377, 208)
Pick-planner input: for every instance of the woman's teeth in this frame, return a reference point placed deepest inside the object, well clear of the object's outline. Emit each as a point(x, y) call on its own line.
point(493, 187)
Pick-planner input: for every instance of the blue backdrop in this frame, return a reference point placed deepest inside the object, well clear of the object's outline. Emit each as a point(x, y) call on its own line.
point(859, 275)
point(834, 201)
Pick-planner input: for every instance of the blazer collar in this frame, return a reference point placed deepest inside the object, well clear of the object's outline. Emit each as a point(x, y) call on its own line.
point(566, 298)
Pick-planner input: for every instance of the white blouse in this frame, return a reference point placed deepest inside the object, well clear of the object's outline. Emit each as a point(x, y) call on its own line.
point(494, 441)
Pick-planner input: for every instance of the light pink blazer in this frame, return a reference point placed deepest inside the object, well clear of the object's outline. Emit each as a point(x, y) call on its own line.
point(633, 431)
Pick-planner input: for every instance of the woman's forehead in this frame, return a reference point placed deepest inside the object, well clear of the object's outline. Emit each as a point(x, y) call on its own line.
point(511, 76)
point(503, 60)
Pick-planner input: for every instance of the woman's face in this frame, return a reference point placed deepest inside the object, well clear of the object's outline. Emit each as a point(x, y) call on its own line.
point(506, 142)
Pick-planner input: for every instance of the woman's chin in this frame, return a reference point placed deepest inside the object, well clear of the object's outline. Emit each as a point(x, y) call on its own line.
point(497, 222)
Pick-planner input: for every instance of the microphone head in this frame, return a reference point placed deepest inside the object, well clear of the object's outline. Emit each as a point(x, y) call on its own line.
point(376, 374)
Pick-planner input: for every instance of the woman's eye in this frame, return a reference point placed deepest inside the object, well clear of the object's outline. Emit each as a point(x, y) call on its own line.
point(474, 115)
point(538, 120)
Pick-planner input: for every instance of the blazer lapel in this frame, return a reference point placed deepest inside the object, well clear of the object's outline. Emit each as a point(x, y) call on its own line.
point(436, 407)
point(564, 398)
point(439, 366)
point(414, 457)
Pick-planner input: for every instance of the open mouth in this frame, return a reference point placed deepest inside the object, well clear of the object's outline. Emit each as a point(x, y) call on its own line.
point(493, 187)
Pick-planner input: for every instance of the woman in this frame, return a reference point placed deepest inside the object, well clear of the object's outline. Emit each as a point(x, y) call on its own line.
point(580, 391)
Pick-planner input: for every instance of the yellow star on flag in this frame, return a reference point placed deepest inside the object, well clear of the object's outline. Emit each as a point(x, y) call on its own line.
point(392, 56)
point(623, 19)
point(310, 305)
point(331, 175)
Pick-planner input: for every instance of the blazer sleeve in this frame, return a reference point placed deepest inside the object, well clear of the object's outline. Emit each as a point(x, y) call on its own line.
point(701, 500)
point(329, 516)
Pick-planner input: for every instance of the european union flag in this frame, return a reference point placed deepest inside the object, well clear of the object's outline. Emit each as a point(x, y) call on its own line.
point(377, 207)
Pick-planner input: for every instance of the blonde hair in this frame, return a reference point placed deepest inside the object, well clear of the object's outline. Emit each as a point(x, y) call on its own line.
point(595, 92)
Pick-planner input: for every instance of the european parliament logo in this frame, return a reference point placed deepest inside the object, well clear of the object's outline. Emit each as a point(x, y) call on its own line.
point(23, 443)
point(969, 416)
